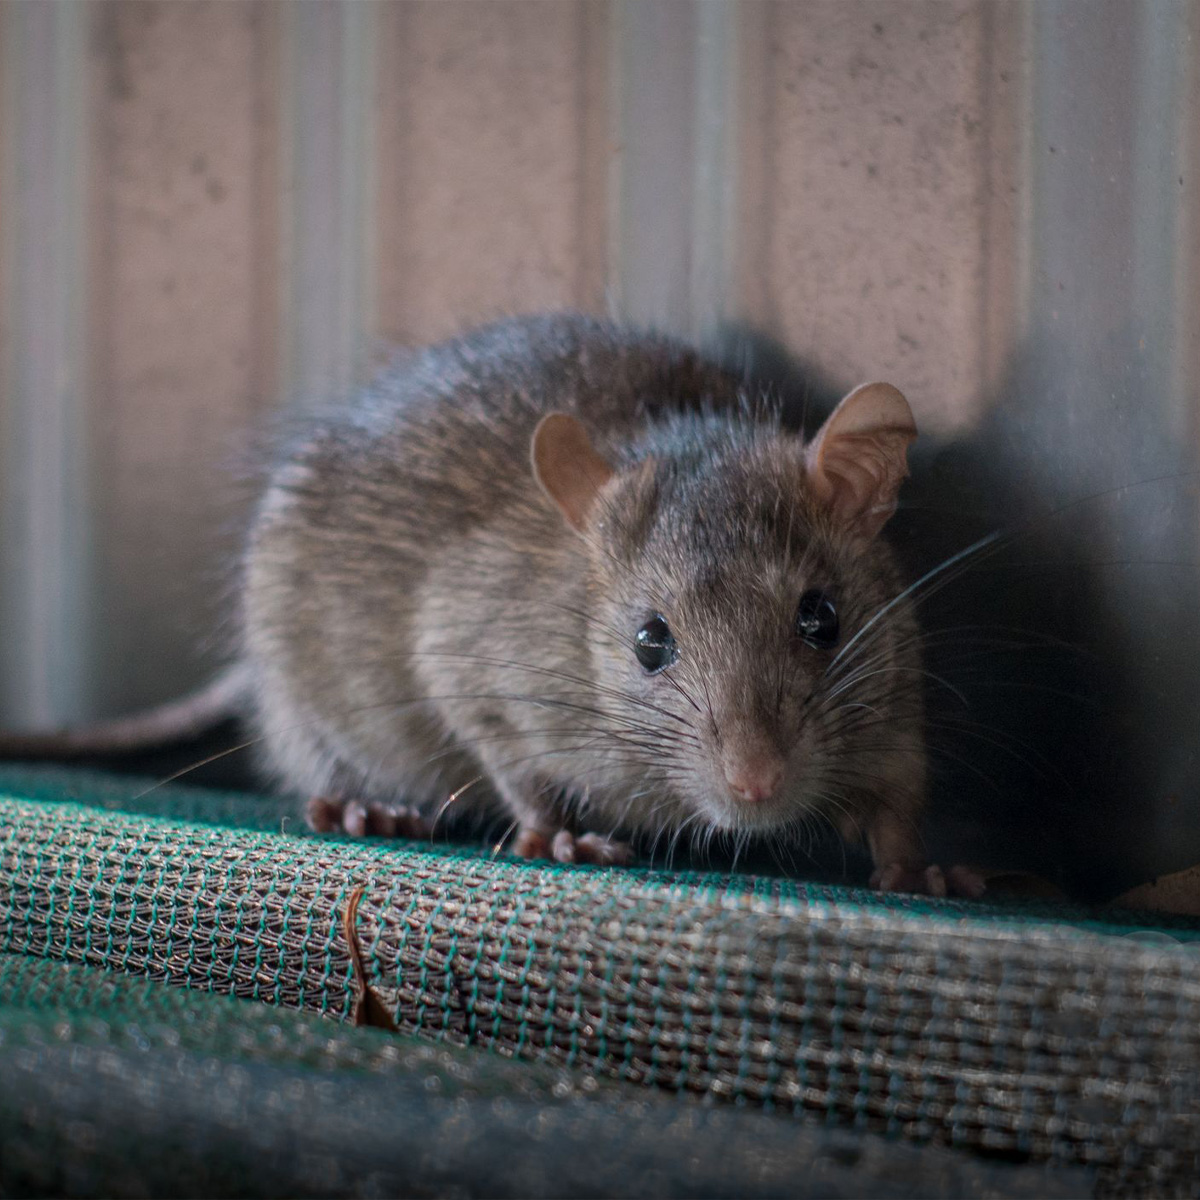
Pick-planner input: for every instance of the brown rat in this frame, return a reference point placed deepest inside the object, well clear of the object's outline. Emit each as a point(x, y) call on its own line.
point(572, 572)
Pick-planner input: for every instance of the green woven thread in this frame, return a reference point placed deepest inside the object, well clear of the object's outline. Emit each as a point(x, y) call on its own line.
point(962, 1024)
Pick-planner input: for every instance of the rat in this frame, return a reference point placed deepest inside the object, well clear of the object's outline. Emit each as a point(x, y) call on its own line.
point(578, 575)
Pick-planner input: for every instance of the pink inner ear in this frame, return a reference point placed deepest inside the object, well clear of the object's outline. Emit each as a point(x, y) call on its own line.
point(865, 473)
point(567, 468)
point(858, 460)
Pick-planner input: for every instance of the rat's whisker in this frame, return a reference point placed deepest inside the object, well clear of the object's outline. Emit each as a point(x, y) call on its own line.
point(588, 684)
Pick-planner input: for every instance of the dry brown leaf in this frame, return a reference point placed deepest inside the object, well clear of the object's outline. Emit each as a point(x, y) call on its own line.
point(368, 1008)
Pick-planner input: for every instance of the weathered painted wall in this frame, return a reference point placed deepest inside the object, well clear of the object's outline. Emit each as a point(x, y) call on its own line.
point(209, 210)
point(183, 309)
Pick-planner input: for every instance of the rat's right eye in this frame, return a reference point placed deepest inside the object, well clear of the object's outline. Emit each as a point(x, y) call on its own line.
point(655, 646)
point(817, 620)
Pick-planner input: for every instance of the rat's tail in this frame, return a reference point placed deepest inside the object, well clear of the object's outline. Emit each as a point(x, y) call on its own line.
point(168, 725)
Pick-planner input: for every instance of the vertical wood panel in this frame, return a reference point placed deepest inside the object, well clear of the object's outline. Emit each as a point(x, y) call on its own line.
point(865, 197)
point(1006, 189)
point(183, 311)
point(655, 84)
point(487, 168)
point(1162, 237)
point(44, 575)
point(1094, 417)
point(1187, 363)
point(675, 173)
point(327, 148)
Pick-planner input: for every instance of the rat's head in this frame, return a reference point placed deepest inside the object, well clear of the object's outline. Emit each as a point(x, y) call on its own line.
point(740, 632)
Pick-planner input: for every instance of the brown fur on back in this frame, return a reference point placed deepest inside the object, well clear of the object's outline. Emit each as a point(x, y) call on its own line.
point(419, 619)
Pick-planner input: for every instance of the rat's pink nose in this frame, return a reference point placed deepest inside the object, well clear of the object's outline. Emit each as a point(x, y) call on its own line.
point(754, 782)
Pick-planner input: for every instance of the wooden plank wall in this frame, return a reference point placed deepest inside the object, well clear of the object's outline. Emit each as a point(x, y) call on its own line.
point(183, 295)
point(267, 193)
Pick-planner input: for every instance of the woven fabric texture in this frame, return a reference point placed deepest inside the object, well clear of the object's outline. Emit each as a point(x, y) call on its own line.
point(119, 1086)
point(1030, 1033)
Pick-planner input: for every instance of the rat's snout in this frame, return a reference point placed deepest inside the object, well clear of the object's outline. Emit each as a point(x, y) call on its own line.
point(754, 777)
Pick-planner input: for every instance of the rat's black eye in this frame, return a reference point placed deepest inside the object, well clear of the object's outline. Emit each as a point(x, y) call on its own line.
point(817, 620)
point(654, 645)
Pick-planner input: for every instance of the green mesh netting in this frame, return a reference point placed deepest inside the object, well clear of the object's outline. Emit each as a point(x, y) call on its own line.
point(1023, 1032)
point(115, 1085)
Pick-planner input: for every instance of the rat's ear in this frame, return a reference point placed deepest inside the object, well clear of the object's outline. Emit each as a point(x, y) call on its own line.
point(857, 461)
point(566, 467)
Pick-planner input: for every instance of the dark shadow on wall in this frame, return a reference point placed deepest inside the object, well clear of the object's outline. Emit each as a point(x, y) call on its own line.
point(1096, 700)
point(1062, 694)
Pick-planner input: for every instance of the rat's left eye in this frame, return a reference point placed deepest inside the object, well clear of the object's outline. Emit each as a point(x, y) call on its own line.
point(655, 646)
point(817, 620)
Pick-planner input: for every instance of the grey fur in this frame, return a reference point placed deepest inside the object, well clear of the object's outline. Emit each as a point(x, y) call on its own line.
point(420, 622)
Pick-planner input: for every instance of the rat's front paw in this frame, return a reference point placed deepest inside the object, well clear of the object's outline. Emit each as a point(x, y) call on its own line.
point(531, 843)
point(358, 818)
point(565, 847)
point(590, 848)
point(929, 881)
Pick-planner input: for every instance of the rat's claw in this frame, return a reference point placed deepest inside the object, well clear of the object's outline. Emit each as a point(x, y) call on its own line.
point(602, 851)
point(929, 881)
point(323, 814)
point(889, 878)
point(934, 880)
point(531, 843)
point(354, 818)
point(397, 820)
point(562, 849)
point(358, 818)
point(966, 881)
point(565, 847)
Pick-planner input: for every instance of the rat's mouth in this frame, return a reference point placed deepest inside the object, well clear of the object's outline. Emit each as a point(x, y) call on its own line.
point(793, 805)
point(772, 815)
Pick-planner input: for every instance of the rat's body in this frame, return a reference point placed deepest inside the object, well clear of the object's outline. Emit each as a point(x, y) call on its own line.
point(421, 621)
point(403, 556)
point(676, 619)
